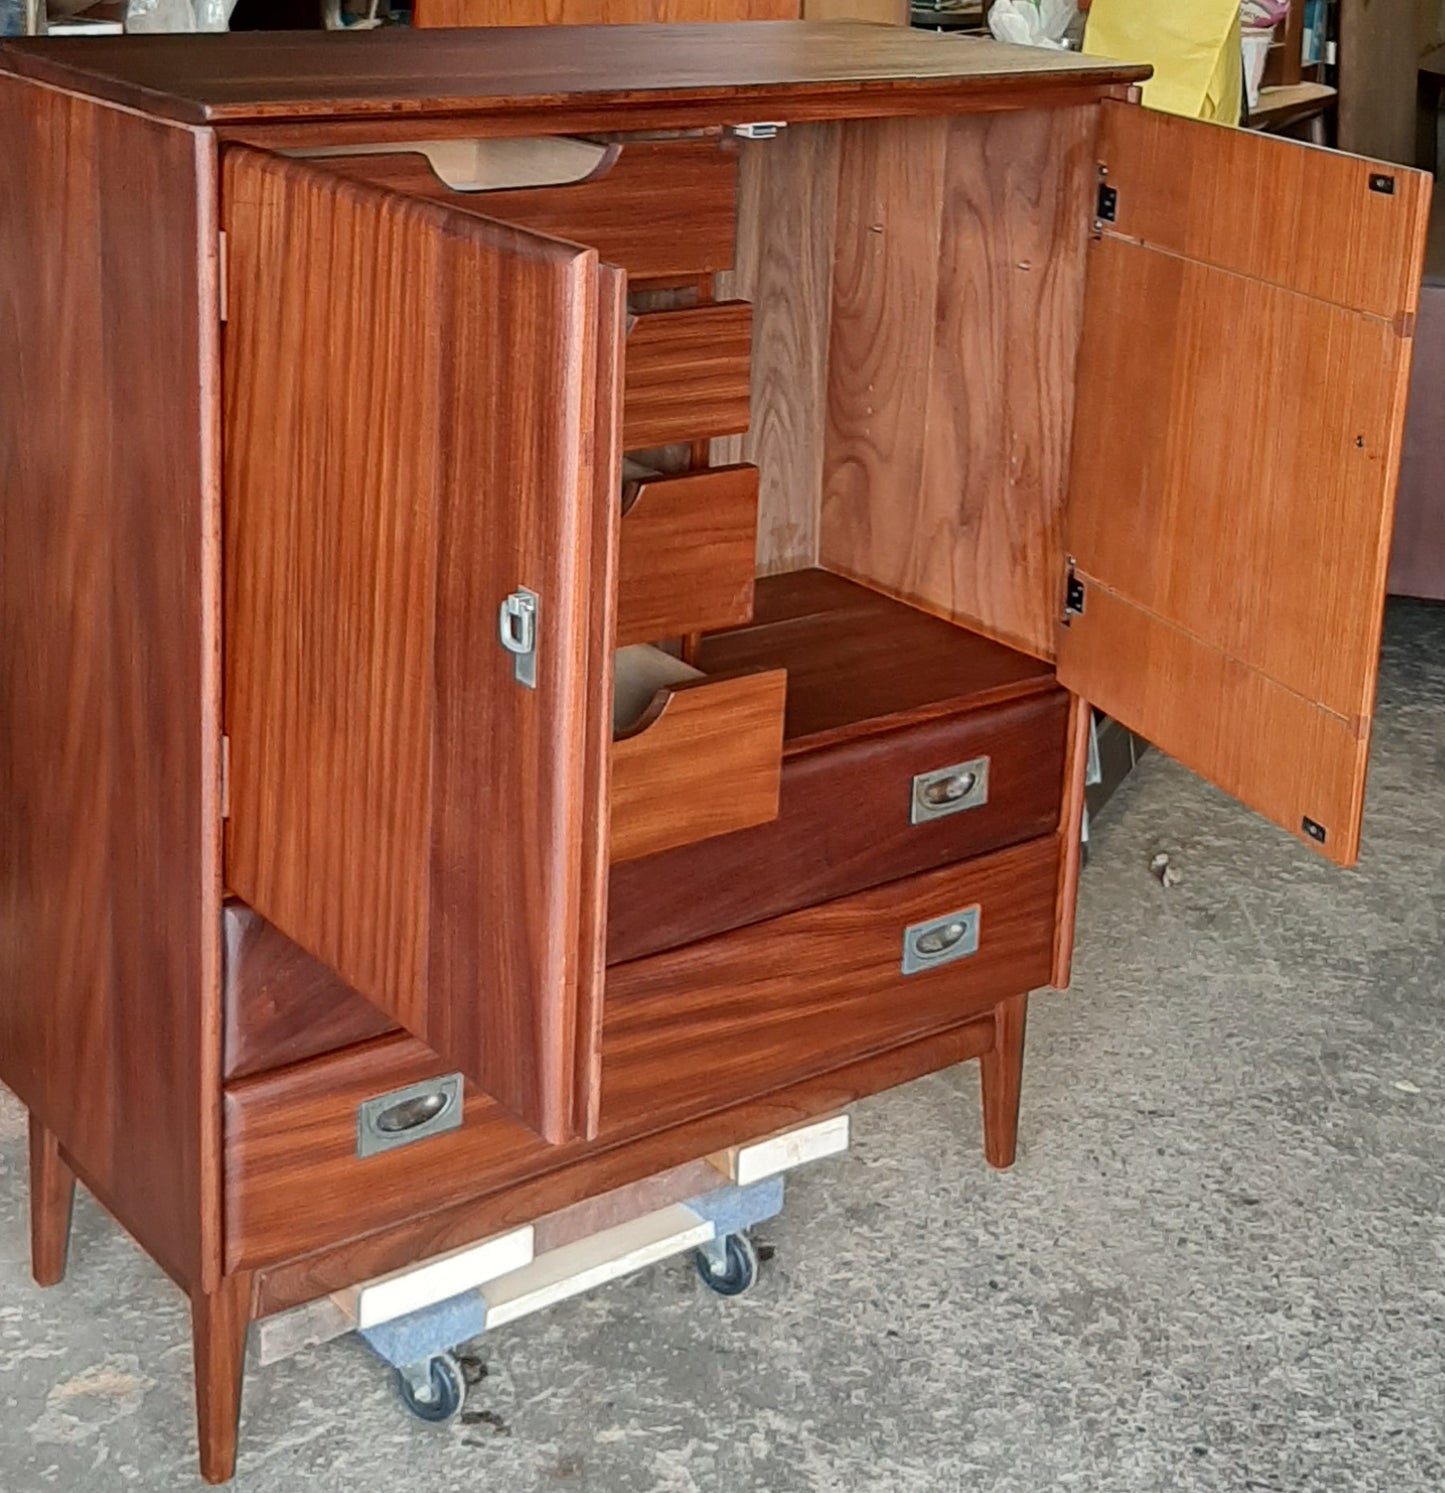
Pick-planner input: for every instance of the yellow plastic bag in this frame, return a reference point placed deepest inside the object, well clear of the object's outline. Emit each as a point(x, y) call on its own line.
point(1193, 46)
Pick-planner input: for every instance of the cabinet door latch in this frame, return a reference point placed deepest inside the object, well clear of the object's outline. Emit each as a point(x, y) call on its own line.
point(517, 630)
point(763, 129)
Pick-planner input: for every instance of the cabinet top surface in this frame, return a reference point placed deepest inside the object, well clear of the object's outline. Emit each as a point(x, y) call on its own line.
point(842, 68)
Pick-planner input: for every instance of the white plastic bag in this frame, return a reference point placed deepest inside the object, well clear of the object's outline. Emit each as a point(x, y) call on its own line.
point(178, 15)
point(1032, 23)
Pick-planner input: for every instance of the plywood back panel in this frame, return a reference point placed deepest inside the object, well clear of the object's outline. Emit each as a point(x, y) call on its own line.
point(956, 306)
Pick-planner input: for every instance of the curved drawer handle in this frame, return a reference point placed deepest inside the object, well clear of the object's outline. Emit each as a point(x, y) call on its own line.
point(410, 1114)
point(949, 790)
point(940, 940)
point(407, 1115)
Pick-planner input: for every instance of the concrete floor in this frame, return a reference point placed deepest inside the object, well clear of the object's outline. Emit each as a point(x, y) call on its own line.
point(1217, 1264)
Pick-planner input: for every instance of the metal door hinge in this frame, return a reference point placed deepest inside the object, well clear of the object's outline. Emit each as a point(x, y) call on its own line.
point(763, 129)
point(1106, 204)
point(221, 271)
point(1073, 596)
point(1316, 831)
point(225, 777)
point(517, 630)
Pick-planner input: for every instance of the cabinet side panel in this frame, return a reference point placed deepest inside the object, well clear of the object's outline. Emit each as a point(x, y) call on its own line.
point(957, 304)
point(787, 203)
point(109, 886)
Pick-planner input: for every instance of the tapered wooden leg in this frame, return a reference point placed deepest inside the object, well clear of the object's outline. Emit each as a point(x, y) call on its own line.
point(1003, 1071)
point(218, 1329)
point(52, 1197)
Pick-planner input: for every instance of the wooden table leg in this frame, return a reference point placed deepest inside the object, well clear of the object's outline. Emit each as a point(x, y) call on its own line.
point(52, 1198)
point(1002, 1074)
point(218, 1330)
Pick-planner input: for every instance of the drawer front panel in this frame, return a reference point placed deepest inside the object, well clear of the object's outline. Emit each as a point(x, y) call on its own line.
point(687, 554)
point(689, 375)
point(706, 760)
point(697, 1027)
point(846, 822)
point(655, 208)
point(685, 1034)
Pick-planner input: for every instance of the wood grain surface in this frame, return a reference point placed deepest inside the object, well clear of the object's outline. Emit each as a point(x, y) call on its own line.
point(297, 1205)
point(280, 1004)
point(647, 72)
point(1071, 836)
point(687, 553)
point(843, 825)
point(860, 663)
point(52, 1200)
point(1234, 548)
point(219, 1320)
point(109, 774)
point(687, 375)
point(705, 760)
point(699, 1030)
point(1268, 208)
point(586, 1015)
point(699, 1027)
point(596, 12)
point(957, 298)
point(401, 806)
point(655, 208)
point(1001, 1073)
point(787, 203)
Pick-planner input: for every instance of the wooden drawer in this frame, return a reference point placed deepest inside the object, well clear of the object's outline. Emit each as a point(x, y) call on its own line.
point(687, 553)
point(684, 1034)
point(700, 1026)
point(703, 758)
point(656, 208)
point(689, 375)
point(847, 820)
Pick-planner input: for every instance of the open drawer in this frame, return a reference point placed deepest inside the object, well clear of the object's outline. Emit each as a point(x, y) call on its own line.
point(693, 756)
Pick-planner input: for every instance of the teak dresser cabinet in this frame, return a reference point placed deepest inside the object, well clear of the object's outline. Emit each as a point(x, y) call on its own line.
point(861, 401)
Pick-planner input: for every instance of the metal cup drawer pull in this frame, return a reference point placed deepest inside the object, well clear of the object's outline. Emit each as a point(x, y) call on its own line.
point(407, 1115)
point(940, 940)
point(949, 790)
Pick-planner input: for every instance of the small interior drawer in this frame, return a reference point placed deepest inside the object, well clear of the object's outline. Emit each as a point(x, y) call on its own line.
point(688, 548)
point(692, 756)
point(689, 375)
point(656, 208)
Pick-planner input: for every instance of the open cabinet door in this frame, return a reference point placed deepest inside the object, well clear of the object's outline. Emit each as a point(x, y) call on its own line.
point(419, 472)
point(1249, 311)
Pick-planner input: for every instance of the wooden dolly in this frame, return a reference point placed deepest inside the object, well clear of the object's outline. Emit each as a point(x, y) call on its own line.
point(415, 1318)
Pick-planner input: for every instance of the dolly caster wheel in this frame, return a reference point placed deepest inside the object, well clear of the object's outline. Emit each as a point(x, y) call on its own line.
point(433, 1391)
point(728, 1265)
